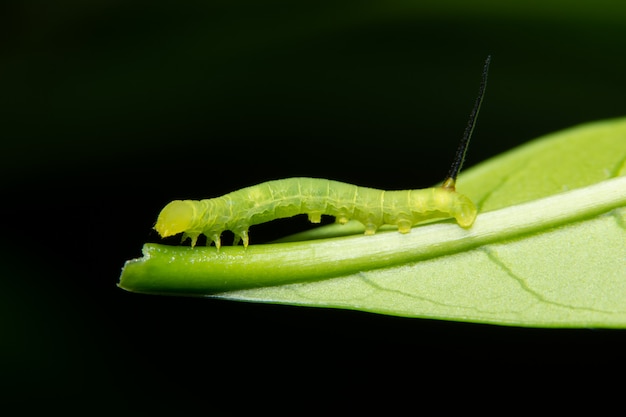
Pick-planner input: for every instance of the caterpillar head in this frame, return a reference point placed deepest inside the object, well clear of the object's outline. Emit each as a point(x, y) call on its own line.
point(177, 217)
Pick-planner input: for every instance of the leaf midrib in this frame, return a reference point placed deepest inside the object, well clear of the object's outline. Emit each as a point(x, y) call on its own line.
point(329, 258)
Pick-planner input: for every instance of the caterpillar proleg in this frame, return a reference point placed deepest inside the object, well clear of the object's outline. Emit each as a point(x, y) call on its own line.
point(239, 210)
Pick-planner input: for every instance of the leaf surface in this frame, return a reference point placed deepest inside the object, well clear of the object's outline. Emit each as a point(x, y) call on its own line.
point(548, 249)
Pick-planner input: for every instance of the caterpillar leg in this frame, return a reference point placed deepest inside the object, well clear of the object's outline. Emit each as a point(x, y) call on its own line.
point(315, 217)
point(404, 226)
point(242, 235)
point(215, 238)
point(342, 219)
point(370, 229)
point(192, 236)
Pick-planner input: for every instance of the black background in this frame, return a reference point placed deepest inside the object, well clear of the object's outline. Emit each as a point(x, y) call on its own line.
point(110, 109)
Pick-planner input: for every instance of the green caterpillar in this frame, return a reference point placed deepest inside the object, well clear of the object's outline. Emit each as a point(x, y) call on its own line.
point(239, 210)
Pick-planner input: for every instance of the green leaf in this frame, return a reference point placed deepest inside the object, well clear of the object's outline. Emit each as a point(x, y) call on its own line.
point(547, 249)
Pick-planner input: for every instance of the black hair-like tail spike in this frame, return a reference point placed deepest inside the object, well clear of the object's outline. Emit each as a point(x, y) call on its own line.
point(459, 158)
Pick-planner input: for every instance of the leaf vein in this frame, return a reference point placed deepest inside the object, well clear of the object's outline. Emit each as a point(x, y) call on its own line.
point(502, 183)
point(366, 280)
point(528, 289)
point(619, 168)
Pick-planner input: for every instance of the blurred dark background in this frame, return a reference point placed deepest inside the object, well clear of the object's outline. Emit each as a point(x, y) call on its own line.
point(110, 109)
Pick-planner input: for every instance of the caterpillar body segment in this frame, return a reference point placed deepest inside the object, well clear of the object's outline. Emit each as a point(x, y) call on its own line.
point(239, 210)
